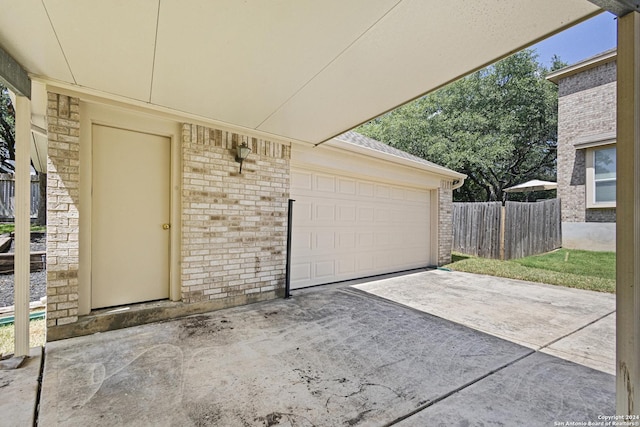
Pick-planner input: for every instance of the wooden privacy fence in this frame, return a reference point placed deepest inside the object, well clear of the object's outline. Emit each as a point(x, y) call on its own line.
point(516, 230)
point(7, 196)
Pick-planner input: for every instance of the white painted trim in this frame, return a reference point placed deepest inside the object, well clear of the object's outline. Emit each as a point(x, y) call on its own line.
point(23, 222)
point(594, 144)
point(435, 228)
point(628, 217)
point(347, 162)
point(595, 140)
point(590, 187)
point(95, 96)
point(109, 115)
point(435, 169)
point(585, 65)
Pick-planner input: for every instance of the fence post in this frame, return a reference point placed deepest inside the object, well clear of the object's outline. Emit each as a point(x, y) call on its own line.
point(502, 233)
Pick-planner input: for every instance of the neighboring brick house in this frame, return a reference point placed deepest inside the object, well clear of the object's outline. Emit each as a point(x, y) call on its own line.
point(149, 217)
point(587, 152)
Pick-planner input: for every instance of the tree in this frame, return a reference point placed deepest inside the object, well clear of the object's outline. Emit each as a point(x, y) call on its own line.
point(7, 126)
point(8, 148)
point(498, 126)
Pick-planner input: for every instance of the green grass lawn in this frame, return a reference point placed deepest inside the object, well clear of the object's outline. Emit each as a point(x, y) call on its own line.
point(36, 335)
point(594, 271)
point(9, 227)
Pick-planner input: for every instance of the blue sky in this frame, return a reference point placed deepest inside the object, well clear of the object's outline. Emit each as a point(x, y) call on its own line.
point(581, 41)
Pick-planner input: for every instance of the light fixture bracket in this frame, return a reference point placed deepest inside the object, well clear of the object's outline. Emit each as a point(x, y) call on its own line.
point(242, 152)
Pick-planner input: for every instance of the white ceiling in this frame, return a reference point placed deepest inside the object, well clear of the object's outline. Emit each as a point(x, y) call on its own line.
point(298, 69)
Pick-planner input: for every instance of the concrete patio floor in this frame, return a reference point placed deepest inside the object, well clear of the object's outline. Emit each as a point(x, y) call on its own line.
point(337, 356)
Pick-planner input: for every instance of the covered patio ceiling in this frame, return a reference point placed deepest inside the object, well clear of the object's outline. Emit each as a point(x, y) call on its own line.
point(294, 69)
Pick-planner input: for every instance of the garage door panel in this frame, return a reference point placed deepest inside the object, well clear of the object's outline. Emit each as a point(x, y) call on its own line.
point(366, 189)
point(325, 212)
point(364, 262)
point(301, 272)
point(346, 240)
point(325, 183)
point(325, 240)
point(384, 259)
point(365, 240)
point(301, 180)
point(325, 269)
point(347, 186)
point(302, 214)
point(382, 239)
point(383, 192)
point(414, 239)
point(303, 241)
point(346, 213)
point(417, 196)
point(398, 239)
point(397, 193)
point(383, 215)
point(346, 227)
point(366, 214)
point(346, 265)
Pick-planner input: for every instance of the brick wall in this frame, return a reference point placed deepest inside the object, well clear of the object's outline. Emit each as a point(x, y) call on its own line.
point(63, 177)
point(600, 215)
point(445, 222)
point(586, 106)
point(233, 225)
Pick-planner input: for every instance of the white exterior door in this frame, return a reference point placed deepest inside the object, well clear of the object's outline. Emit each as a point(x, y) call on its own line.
point(130, 206)
point(347, 227)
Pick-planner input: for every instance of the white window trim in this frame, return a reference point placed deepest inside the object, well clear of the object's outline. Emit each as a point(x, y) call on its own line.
point(590, 180)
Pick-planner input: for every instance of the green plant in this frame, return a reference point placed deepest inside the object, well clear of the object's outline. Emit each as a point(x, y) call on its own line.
point(36, 335)
point(9, 227)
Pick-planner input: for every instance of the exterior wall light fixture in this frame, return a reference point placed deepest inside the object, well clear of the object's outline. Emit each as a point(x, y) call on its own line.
point(242, 152)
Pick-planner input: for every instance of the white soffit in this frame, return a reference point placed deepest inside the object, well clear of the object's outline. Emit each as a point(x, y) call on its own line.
point(109, 44)
point(416, 48)
point(297, 69)
point(245, 59)
point(27, 35)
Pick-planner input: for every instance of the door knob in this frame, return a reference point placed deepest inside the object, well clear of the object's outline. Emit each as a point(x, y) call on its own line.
point(166, 226)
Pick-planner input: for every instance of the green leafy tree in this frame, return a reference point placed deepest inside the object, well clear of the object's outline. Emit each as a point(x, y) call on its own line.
point(498, 126)
point(7, 126)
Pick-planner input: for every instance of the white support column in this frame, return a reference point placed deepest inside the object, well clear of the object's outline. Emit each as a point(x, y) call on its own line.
point(22, 220)
point(628, 217)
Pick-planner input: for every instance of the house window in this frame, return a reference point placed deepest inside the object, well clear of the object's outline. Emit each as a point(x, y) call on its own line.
point(601, 177)
point(605, 174)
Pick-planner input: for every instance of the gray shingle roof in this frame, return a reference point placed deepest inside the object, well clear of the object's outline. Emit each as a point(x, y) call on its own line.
point(363, 141)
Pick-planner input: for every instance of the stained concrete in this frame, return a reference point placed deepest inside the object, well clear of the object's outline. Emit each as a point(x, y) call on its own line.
point(324, 358)
point(570, 323)
point(108, 319)
point(19, 391)
point(593, 346)
point(539, 390)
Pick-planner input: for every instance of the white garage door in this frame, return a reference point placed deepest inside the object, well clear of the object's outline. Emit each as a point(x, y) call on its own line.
point(346, 228)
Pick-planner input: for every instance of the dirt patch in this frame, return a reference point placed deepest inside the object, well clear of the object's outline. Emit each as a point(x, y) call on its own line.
point(197, 326)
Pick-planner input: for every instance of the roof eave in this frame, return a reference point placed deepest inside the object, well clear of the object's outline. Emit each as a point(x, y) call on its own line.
point(587, 64)
point(435, 169)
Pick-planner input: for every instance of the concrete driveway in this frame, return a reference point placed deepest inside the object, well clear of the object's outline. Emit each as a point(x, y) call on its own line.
point(333, 356)
point(573, 324)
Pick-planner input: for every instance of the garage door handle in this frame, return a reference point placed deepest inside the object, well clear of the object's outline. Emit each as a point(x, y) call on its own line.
point(166, 226)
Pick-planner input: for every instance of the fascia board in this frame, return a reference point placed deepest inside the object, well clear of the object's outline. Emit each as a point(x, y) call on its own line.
point(435, 169)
